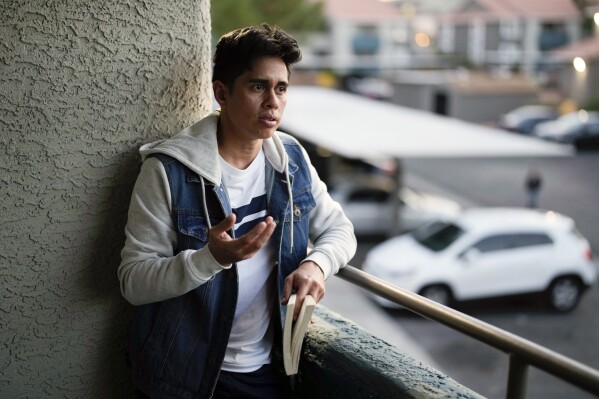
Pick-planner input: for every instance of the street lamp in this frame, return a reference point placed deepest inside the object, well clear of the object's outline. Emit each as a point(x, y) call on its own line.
point(579, 64)
point(422, 39)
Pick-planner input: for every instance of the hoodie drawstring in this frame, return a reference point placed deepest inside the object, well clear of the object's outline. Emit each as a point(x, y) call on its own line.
point(206, 214)
point(290, 192)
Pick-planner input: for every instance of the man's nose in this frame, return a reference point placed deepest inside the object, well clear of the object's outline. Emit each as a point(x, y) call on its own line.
point(272, 100)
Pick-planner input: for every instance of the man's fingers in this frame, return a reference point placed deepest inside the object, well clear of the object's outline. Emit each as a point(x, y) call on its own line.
point(248, 244)
point(287, 290)
point(307, 279)
point(219, 240)
point(227, 250)
point(308, 288)
point(299, 300)
point(225, 225)
point(255, 239)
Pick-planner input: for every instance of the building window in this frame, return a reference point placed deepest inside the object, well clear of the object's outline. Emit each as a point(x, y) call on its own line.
point(366, 41)
point(552, 35)
point(510, 29)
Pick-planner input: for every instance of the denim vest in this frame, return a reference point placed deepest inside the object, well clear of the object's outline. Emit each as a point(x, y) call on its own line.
point(178, 345)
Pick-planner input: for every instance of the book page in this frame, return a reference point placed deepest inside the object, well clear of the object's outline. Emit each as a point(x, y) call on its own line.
point(294, 332)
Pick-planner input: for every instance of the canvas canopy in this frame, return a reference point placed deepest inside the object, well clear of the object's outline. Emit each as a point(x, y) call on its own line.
point(358, 127)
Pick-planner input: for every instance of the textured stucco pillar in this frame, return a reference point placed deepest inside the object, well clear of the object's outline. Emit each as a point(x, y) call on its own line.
point(82, 85)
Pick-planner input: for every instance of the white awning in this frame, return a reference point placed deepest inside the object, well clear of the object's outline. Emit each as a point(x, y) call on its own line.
point(359, 127)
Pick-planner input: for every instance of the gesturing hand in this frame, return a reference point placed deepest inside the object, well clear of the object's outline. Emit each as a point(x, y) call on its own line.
point(227, 250)
point(306, 279)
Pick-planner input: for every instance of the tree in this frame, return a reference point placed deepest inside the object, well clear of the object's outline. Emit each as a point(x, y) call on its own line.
point(290, 15)
point(587, 9)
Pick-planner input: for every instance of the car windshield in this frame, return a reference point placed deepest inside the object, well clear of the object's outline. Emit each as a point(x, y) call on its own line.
point(575, 119)
point(437, 236)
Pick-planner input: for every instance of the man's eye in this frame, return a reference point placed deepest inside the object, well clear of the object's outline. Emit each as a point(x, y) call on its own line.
point(258, 86)
point(282, 89)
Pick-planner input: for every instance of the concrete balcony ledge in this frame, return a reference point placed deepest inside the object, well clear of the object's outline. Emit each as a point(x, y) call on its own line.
point(342, 360)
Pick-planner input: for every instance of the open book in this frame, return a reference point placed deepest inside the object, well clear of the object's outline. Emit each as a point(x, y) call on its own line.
point(294, 331)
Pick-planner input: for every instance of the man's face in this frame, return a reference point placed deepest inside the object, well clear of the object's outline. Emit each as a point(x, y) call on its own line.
point(252, 109)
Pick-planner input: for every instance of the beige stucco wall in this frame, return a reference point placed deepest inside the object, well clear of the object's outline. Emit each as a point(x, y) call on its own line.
point(82, 85)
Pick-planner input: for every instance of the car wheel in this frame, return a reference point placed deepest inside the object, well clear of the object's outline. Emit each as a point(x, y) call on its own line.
point(564, 293)
point(438, 293)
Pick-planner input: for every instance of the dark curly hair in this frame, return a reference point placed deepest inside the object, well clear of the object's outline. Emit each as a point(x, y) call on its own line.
point(238, 50)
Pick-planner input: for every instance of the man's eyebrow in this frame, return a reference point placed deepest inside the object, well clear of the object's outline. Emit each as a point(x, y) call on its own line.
point(264, 82)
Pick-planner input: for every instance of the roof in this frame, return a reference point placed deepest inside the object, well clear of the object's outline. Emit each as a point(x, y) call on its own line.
point(485, 83)
point(361, 128)
point(458, 10)
point(469, 82)
point(557, 10)
point(384, 10)
point(361, 10)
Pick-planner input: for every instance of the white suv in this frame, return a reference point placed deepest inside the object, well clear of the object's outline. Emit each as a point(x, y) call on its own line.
point(489, 252)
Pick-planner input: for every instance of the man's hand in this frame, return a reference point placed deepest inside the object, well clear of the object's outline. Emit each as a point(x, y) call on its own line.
point(227, 250)
point(307, 279)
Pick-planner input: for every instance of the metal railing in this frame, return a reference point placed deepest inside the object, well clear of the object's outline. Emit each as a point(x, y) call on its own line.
point(522, 352)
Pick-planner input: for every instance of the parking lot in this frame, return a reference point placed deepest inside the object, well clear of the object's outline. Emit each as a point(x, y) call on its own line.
point(570, 186)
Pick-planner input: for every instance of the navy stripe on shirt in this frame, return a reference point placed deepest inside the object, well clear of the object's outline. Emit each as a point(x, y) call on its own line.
point(246, 215)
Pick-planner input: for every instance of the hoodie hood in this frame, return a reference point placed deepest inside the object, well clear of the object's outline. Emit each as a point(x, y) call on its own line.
point(197, 148)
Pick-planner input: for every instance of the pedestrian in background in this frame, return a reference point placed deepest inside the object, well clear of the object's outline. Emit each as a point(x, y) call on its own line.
point(533, 185)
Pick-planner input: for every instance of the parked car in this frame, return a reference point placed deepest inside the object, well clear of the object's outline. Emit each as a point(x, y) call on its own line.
point(588, 141)
point(569, 128)
point(369, 204)
point(524, 119)
point(489, 253)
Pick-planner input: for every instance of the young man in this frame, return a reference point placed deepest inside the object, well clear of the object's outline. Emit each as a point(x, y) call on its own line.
point(218, 230)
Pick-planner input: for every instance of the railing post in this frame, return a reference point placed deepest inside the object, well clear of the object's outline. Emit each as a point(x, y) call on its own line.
point(517, 376)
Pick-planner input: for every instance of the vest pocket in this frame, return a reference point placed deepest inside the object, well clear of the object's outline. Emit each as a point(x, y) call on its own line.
point(193, 230)
point(303, 203)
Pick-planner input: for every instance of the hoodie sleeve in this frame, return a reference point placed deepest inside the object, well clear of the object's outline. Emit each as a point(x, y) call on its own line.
point(331, 231)
point(149, 271)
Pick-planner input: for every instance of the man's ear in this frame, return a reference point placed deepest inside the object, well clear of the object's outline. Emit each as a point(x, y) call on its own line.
point(220, 92)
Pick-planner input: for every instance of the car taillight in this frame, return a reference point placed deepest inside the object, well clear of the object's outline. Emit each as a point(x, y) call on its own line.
point(588, 254)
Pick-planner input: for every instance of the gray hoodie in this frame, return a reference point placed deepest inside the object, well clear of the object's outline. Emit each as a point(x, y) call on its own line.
point(150, 272)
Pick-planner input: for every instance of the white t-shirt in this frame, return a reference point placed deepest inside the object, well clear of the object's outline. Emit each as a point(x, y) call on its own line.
point(250, 342)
